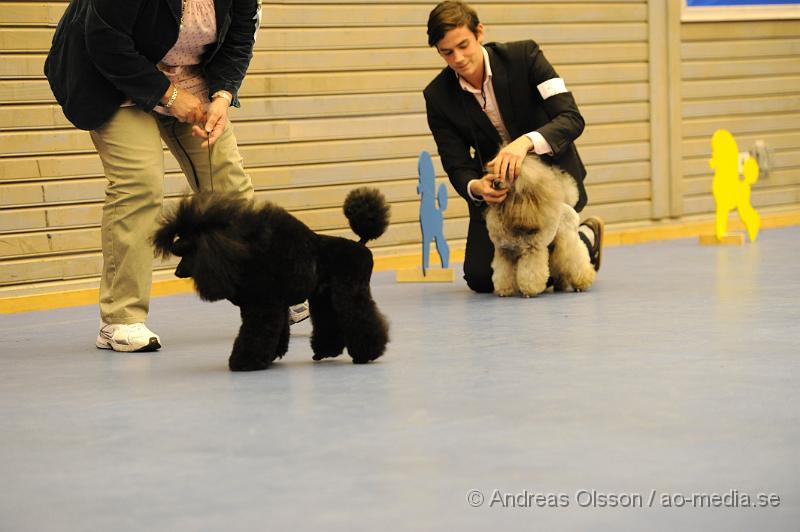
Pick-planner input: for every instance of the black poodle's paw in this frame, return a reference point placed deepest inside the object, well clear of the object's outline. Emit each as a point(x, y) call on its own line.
point(243, 364)
point(369, 342)
point(248, 360)
point(326, 345)
point(365, 352)
point(322, 356)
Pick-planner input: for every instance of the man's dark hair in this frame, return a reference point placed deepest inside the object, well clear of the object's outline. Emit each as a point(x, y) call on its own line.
point(449, 15)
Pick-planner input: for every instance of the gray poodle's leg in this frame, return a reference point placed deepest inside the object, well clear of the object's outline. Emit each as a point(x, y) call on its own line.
point(533, 272)
point(569, 261)
point(504, 277)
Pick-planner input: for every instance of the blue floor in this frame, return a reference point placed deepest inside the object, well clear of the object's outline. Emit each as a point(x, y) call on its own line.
point(677, 374)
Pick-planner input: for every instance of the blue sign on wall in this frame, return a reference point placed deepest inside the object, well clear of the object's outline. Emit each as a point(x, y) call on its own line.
point(722, 3)
point(700, 10)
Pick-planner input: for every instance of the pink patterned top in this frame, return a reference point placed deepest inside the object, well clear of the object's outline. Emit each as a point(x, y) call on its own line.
point(182, 62)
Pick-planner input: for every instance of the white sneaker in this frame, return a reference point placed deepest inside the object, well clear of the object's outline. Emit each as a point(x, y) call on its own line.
point(298, 313)
point(127, 337)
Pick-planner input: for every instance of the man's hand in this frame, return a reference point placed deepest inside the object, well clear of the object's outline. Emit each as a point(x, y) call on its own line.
point(215, 122)
point(508, 163)
point(482, 188)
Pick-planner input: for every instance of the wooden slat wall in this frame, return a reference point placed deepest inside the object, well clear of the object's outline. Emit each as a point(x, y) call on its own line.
point(744, 77)
point(333, 100)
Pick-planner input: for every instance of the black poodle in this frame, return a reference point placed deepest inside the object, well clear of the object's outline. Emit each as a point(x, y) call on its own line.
point(263, 259)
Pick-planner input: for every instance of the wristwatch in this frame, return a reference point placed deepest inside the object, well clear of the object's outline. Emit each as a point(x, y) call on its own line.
point(223, 94)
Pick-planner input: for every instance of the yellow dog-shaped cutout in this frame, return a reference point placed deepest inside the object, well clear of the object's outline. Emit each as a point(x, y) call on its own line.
point(731, 192)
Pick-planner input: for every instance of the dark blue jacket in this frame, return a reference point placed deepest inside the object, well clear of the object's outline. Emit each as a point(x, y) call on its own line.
point(458, 123)
point(105, 51)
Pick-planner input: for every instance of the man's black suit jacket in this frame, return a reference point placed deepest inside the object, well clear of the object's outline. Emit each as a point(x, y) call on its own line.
point(458, 122)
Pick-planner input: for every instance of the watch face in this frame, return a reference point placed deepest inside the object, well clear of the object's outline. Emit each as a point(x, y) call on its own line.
point(222, 94)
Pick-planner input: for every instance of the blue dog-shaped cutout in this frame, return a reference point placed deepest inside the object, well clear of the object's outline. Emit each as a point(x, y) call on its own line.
point(431, 219)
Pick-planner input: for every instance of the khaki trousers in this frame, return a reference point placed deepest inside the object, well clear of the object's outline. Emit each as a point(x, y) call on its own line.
point(130, 148)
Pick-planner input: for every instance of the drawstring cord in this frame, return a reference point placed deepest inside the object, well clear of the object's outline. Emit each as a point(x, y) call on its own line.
point(176, 138)
point(210, 167)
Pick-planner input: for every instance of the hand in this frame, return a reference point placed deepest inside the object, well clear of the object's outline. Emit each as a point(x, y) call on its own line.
point(186, 107)
point(508, 162)
point(216, 119)
point(482, 188)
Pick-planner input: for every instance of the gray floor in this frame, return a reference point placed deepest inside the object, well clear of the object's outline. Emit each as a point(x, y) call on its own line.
point(676, 373)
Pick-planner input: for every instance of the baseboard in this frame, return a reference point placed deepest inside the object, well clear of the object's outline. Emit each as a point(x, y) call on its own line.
point(616, 235)
point(690, 228)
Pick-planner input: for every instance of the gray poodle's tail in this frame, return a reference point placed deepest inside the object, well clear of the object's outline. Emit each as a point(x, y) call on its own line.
point(368, 213)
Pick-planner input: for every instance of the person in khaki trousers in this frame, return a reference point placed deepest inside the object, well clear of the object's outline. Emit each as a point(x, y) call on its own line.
point(134, 74)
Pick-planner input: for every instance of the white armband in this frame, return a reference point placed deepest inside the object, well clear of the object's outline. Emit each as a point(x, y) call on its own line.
point(551, 87)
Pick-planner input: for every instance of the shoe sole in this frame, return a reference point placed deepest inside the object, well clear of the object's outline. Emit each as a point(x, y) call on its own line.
point(152, 345)
point(292, 321)
point(602, 229)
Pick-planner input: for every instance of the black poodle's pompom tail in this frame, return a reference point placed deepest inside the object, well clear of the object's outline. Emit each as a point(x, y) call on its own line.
point(368, 213)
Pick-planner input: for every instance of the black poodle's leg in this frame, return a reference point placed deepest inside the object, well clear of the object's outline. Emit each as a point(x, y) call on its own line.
point(256, 346)
point(326, 338)
point(365, 329)
point(283, 342)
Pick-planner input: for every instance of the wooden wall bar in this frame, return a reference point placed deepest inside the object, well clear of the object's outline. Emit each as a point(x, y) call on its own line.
point(333, 101)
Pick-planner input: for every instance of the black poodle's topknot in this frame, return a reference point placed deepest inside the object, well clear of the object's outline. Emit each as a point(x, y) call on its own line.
point(368, 213)
point(198, 213)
